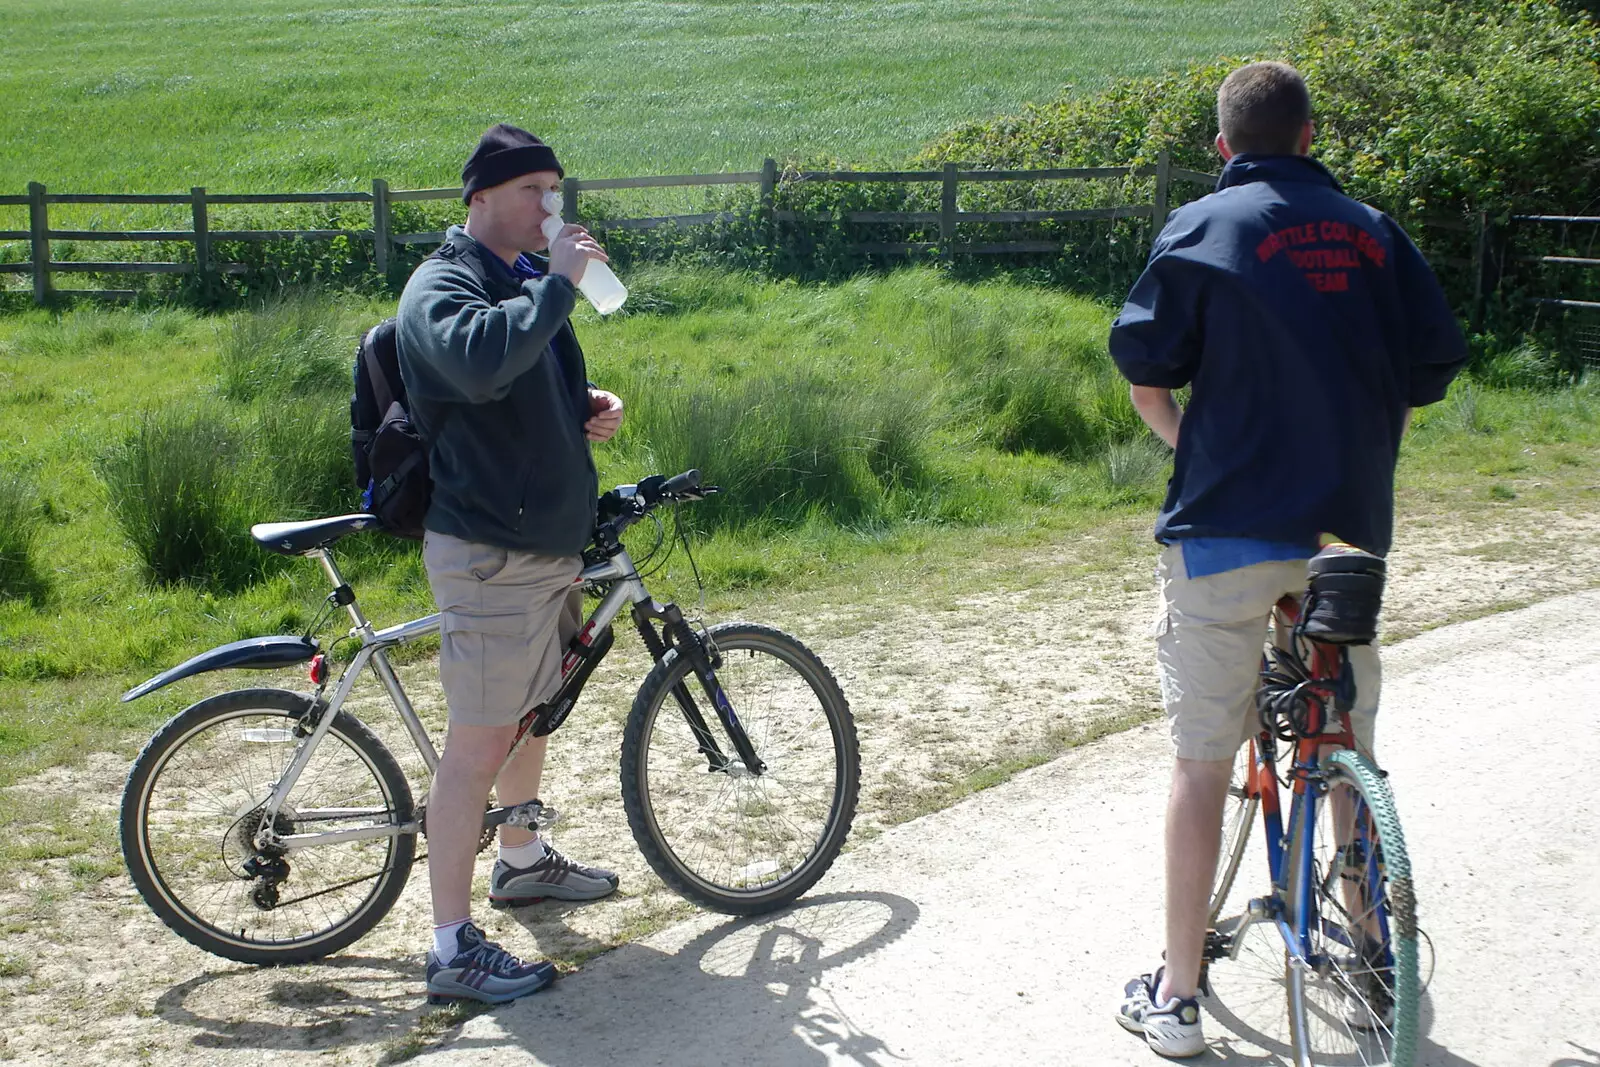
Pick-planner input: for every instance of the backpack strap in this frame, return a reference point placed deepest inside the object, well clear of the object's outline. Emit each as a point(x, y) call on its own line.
point(407, 465)
point(382, 388)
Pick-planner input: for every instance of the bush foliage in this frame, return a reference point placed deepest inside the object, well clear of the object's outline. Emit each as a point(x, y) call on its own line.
point(1422, 106)
point(1429, 109)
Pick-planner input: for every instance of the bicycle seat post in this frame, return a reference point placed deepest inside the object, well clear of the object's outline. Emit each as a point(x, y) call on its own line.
point(342, 594)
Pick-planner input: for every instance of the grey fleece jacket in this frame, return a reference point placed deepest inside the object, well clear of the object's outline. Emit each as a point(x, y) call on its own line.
point(498, 389)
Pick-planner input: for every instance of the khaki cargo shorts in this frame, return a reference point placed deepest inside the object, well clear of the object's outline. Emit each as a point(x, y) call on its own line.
point(1209, 637)
point(506, 619)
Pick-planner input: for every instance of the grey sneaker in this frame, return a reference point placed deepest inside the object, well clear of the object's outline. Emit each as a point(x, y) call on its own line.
point(555, 878)
point(1172, 1029)
point(482, 970)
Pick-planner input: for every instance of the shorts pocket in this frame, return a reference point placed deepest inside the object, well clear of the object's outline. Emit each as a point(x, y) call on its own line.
point(504, 623)
point(1161, 621)
point(486, 561)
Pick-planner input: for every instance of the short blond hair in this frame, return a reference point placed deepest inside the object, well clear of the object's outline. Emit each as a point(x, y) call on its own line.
point(1264, 107)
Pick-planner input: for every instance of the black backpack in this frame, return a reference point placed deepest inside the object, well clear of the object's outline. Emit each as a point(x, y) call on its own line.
point(391, 458)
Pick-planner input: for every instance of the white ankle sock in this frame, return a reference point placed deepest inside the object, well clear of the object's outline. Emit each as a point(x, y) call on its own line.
point(524, 855)
point(444, 940)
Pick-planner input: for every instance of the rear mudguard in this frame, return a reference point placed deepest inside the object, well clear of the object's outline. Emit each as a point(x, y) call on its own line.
point(255, 653)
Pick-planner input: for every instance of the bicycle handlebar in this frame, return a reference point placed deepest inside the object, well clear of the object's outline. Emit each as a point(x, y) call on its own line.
point(625, 505)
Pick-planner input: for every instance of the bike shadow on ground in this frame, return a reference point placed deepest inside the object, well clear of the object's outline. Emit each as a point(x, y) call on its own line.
point(1244, 1042)
point(309, 1008)
point(1591, 1057)
point(747, 984)
point(736, 990)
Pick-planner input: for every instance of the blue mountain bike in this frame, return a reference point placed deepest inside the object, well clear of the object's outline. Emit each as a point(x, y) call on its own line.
point(1341, 897)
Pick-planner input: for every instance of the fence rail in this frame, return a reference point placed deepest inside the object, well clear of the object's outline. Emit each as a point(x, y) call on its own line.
point(384, 240)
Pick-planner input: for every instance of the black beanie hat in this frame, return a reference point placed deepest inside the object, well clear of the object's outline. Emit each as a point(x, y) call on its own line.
point(505, 152)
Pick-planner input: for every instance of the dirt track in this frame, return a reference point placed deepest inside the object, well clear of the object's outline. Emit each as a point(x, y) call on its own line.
point(1013, 659)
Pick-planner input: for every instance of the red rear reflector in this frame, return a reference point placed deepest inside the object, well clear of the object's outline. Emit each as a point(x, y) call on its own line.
point(319, 669)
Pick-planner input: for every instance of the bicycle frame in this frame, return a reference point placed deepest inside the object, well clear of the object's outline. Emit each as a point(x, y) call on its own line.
point(1309, 788)
point(587, 649)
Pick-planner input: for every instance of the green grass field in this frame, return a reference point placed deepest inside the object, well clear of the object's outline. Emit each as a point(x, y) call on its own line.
point(262, 95)
point(855, 426)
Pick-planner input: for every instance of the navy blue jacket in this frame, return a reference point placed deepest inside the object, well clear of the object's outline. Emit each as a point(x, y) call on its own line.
point(1307, 324)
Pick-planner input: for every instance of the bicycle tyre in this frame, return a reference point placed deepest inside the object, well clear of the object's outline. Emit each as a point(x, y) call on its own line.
point(1390, 1042)
point(645, 811)
point(159, 887)
point(1238, 815)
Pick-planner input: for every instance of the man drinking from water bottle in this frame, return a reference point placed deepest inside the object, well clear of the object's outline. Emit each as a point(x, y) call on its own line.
point(499, 391)
point(1307, 326)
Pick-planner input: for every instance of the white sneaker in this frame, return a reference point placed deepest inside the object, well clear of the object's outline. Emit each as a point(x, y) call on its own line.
point(1171, 1029)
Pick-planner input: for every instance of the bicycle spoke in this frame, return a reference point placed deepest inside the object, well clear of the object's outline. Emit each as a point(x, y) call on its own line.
point(748, 831)
point(202, 802)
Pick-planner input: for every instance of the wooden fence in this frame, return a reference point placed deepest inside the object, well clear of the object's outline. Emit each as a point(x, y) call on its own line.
point(948, 218)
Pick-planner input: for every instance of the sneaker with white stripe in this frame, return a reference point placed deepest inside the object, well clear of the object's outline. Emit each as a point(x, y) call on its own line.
point(1171, 1029)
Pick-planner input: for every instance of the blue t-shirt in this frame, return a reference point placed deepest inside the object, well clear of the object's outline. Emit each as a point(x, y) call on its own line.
point(1307, 324)
point(1205, 556)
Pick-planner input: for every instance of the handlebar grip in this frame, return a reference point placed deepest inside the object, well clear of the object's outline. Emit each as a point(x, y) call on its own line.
point(686, 482)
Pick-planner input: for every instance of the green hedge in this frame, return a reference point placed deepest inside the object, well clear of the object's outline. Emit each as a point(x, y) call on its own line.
point(1429, 109)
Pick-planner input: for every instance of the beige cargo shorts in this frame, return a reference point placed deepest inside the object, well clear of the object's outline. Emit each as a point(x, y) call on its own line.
point(1209, 637)
point(506, 618)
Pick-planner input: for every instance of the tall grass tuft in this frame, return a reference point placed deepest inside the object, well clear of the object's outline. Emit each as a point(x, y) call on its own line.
point(293, 346)
point(20, 519)
point(788, 447)
point(1040, 386)
point(301, 461)
point(1138, 466)
point(1468, 412)
point(179, 486)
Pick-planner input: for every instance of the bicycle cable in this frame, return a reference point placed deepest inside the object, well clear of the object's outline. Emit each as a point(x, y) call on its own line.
point(683, 535)
point(661, 538)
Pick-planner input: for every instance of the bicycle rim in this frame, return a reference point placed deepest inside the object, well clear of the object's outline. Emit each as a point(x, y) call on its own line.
point(727, 839)
point(199, 805)
point(1238, 820)
point(1355, 1000)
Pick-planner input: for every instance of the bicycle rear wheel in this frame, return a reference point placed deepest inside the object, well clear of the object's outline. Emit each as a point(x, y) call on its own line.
point(724, 838)
point(1238, 816)
point(194, 803)
point(1356, 1000)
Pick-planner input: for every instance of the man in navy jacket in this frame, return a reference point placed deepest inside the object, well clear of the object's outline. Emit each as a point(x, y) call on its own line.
point(1307, 326)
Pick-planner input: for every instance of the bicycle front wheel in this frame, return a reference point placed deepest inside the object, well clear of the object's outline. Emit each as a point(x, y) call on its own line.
point(1355, 1000)
point(725, 838)
point(194, 804)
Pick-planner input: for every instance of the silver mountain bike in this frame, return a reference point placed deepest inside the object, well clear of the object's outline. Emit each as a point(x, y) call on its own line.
point(269, 826)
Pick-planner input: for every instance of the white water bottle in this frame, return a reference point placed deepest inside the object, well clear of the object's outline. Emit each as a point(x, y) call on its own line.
point(599, 283)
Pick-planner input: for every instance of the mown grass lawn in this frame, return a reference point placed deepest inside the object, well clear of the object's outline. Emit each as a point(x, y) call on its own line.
point(258, 95)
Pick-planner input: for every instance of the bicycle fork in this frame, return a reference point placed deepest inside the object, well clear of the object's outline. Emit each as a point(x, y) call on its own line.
point(676, 633)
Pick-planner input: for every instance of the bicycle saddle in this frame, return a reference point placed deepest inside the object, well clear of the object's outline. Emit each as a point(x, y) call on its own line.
point(298, 538)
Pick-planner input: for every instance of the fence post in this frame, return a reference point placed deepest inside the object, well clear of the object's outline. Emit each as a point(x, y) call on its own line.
point(769, 185)
point(202, 237)
point(1158, 209)
point(380, 227)
point(1486, 276)
point(39, 230)
point(947, 212)
point(569, 199)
